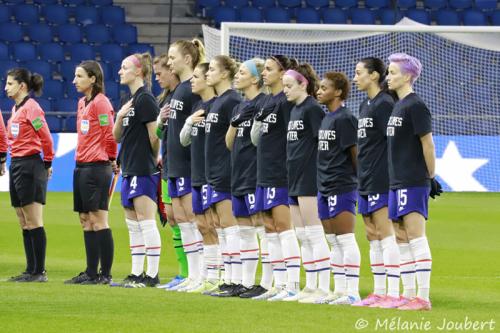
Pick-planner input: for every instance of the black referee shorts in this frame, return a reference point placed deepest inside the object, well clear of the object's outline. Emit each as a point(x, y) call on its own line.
point(91, 186)
point(28, 180)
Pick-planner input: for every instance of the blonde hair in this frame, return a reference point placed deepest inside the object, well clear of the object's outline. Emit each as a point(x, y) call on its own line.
point(194, 48)
point(146, 67)
point(162, 60)
point(227, 63)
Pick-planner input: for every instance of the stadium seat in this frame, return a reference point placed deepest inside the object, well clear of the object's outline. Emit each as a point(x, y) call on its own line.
point(362, 16)
point(69, 33)
point(71, 91)
point(290, 3)
point(495, 18)
point(73, 2)
point(67, 70)
point(376, 4)
point(486, 5)
point(124, 34)
point(140, 48)
point(250, 14)
point(474, 17)
point(23, 51)
point(97, 34)
point(263, 3)
point(106, 70)
point(318, 3)
point(26, 13)
point(55, 14)
point(86, 15)
point(70, 124)
point(100, 3)
point(44, 104)
point(65, 105)
point(308, 15)
point(277, 15)
point(10, 32)
point(460, 4)
point(14, 2)
point(406, 4)
point(112, 89)
point(115, 67)
point(41, 67)
point(334, 16)
point(345, 4)
point(389, 16)
point(224, 14)
point(205, 6)
point(45, 2)
point(51, 52)
point(4, 52)
point(419, 15)
point(52, 89)
point(80, 52)
point(112, 15)
point(447, 17)
point(236, 4)
point(111, 52)
point(39, 33)
point(435, 4)
point(54, 123)
point(5, 13)
point(5, 65)
point(6, 104)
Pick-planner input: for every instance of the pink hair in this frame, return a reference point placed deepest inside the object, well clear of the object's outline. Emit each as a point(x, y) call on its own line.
point(407, 64)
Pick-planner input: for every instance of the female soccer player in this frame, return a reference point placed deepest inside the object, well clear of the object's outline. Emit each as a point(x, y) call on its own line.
point(135, 129)
point(28, 136)
point(300, 86)
point(183, 57)
point(411, 169)
point(96, 152)
point(168, 81)
point(337, 184)
point(269, 134)
point(374, 112)
point(220, 75)
point(246, 209)
point(193, 133)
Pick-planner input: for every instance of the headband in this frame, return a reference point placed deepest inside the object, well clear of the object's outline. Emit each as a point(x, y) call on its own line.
point(133, 59)
point(276, 60)
point(297, 76)
point(250, 64)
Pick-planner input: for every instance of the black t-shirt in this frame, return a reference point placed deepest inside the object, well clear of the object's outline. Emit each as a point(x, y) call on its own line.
point(410, 120)
point(198, 146)
point(302, 147)
point(336, 136)
point(217, 156)
point(374, 114)
point(178, 156)
point(271, 160)
point(164, 133)
point(243, 154)
point(136, 155)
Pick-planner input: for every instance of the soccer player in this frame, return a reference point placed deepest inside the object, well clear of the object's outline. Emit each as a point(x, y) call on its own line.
point(193, 133)
point(269, 134)
point(168, 81)
point(220, 75)
point(337, 183)
point(300, 87)
point(135, 128)
point(95, 156)
point(412, 161)
point(183, 57)
point(246, 209)
point(28, 136)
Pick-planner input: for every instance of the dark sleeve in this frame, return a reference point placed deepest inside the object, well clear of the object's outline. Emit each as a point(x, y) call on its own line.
point(230, 108)
point(147, 109)
point(421, 119)
point(315, 115)
point(348, 134)
point(383, 113)
point(286, 109)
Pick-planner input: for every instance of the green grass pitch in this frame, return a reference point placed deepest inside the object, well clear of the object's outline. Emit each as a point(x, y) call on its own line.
point(463, 231)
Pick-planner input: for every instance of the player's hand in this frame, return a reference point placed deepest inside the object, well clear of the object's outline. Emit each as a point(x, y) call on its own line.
point(436, 188)
point(264, 112)
point(159, 163)
point(198, 116)
point(49, 173)
point(115, 167)
point(164, 113)
point(246, 114)
point(124, 109)
point(2, 168)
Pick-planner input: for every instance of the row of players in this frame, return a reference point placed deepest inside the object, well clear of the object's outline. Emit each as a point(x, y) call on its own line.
point(274, 165)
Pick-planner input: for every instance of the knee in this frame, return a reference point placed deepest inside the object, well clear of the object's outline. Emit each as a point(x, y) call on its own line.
point(203, 228)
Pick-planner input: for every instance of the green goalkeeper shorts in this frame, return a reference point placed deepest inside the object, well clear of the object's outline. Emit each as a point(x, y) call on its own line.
point(165, 197)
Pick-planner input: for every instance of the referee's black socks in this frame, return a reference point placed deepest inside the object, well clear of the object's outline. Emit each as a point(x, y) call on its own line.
point(106, 250)
point(28, 251)
point(39, 246)
point(92, 251)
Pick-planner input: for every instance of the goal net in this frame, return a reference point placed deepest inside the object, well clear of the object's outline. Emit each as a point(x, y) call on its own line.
point(460, 81)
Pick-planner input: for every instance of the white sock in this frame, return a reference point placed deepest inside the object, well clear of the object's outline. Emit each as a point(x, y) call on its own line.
point(337, 265)
point(249, 249)
point(407, 270)
point(199, 239)
point(321, 253)
point(191, 249)
point(352, 261)
point(423, 263)
point(277, 262)
point(210, 257)
point(233, 248)
point(137, 247)
point(377, 266)
point(391, 263)
point(152, 241)
point(225, 260)
point(266, 279)
point(307, 259)
point(291, 253)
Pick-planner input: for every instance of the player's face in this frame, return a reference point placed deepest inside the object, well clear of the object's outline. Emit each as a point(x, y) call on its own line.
point(326, 92)
point(272, 73)
point(198, 81)
point(292, 89)
point(214, 74)
point(128, 72)
point(243, 79)
point(161, 75)
point(12, 87)
point(83, 83)
point(396, 79)
point(176, 61)
point(362, 78)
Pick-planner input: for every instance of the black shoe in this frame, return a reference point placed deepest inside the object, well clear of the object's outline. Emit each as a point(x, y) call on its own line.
point(79, 279)
point(225, 287)
point(237, 290)
point(149, 281)
point(104, 279)
point(130, 279)
point(35, 277)
point(21, 276)
point(254, 292)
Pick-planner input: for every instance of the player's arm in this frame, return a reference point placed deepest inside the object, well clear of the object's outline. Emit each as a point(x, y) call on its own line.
point(255, 132)
point(118, 126)
point(354, 157)
point(153, 138)
point(429, 154)
point(230, 135)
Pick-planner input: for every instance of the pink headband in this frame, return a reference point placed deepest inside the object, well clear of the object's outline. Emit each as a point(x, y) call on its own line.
point(297, 76)
point(133, 59)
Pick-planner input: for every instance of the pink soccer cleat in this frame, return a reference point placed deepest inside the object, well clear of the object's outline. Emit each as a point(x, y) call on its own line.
point(416, 304)
point(369, 300)
point(390, 302)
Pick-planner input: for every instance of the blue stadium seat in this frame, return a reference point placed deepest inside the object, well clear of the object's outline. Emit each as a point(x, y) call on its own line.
point(5, 13)
point(376, 4)
point(112, 89)
point(45, 2)
point(345, 4)
point(69, 124)
point(486, 5)
point(447, 17)
point(362, 16)
point(111, 52)
point(140, 48)
point(250, 14)
point(73, 2)
point(318, 3)
point(97, 34)
point(53, 89)
point(334, 16)
point(69, 33)
point(115, 67)
point(4, 52)
point(10, 32)
point(460, 4)
point(79, 52)
point(236, 4)
point(65, 105)
point(41, 67)
point(6, 105)
point(112, 15)
point(224, 14)
point(124, 34)
point(106, 70)
point(308, 15)
point(277, 15)
point(39, 33)
point(290, 3)
point(474, 17)
point(44, 104)
point(86, 15)
point(406, 4)
point(14, 2)
point(419, 15)
point(26, 14)
point(23, 51)
point(100, 3)
point(51, 52)
point(435, 4)
point(389, 16)
point(70, 90)
point(495, 18)
point(55, 14)
point(54, 123)
point(263, 3)
point(67, 70)
point(5, 65)
point(205, 6)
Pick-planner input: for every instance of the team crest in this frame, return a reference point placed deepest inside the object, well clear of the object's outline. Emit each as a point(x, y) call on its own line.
point(14, 129)
point(84, 126)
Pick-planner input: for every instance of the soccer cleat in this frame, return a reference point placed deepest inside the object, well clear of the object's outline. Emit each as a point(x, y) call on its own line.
point(285, 296)
point(205, 286)
point(35, 277)
point(192, 285)
point(221, 288)
point(312, 299)
point(369, 300)
point(346, 300)
point(149, 281)
point(254, 292)
point(79, 279)
point(389, 302)
point(104, 279)
point(330, 297)
point(174, 282)
point(304, 293)
point(235, 291)
point(416, 304)
point(268, 294)
point(128, 281)
point(21, 276)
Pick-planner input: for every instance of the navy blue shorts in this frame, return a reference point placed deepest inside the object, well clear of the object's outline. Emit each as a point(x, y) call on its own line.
point(135, 186)
point(200, 199)
point(404, 201)
point(333, 205)
point(217, 196)
point(293, 201)
point(270, 197)
point(244, 205)
point(370, 203)
point(179, 187)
